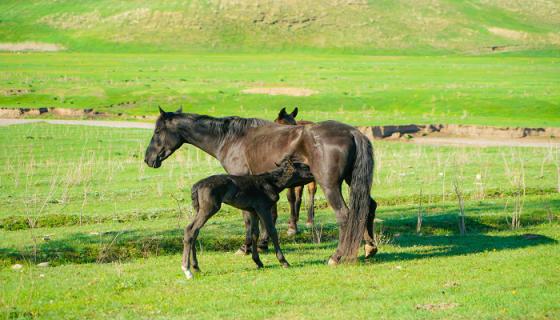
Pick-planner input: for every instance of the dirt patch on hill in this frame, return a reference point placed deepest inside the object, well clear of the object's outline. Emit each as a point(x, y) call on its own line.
point(31, 46)
point(509, 34)
point(295, 92)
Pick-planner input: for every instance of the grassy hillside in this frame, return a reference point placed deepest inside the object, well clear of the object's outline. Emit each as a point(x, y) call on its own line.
point(390, 27)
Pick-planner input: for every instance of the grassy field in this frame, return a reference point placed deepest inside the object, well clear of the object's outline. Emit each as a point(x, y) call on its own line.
point(114, 231)
point(110, 228)
point(360, 90)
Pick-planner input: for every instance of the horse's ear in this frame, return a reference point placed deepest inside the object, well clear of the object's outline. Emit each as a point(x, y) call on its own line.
point(180, 110)
point(161, 111)
point(282, 113)
point(294, 113)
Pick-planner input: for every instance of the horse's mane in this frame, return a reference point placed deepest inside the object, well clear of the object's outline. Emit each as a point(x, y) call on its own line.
point(228, 127)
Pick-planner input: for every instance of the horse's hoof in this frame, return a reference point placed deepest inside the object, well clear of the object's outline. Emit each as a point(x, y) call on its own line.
point(332, 262)
point(285, 264)
point(241, 252)
point(196, 269)
point(370, 250)
point(292, 231)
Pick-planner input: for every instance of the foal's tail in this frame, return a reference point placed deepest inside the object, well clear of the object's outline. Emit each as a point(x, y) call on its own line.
point(360, 187)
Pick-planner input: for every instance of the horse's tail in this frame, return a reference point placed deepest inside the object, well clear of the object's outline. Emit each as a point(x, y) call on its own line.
point(194, 198)
point(360, 188)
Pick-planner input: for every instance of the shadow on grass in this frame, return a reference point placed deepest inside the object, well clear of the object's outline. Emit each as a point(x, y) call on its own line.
point(438, 238)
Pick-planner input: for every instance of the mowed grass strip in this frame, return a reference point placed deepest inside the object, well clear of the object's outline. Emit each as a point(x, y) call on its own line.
point(356, 89)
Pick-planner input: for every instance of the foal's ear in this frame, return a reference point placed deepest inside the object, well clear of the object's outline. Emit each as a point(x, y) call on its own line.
point(282, 113)
point(161, 111)
point(180, 110)
point(294, 113)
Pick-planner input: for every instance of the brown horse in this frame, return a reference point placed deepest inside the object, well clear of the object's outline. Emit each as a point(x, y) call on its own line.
point(295, 195)
point(334, 151)
point(254, 193)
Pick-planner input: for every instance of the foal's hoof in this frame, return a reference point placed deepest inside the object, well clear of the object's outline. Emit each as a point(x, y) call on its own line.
point(292, 231)
point(285, 264)
point(370, 250)
point(241, 252)
point(332, 262)
point(187, 273)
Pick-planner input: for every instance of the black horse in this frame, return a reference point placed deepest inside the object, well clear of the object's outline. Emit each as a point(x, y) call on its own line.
point(254, 193)
point(334, 151)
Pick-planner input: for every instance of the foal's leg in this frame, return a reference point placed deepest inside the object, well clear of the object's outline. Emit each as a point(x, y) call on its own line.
point(206, 210)
point(194, 259)
point(294, 213)
point(311, 190)
point(265, 216)
point(246, 247)
point(263, 242)
point(255, 238)
point(369, 235)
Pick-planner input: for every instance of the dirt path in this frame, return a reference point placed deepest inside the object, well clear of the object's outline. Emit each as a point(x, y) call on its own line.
point(94, 123)
point(437, 141)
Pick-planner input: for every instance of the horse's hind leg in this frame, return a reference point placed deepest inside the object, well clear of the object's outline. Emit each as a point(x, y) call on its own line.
point(255, 238)
point(265, 216)
point(311, 190)
point(336, 201)
point(369, 235)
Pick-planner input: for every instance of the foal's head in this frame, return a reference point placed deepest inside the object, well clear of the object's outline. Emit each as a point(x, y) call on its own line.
point(287, 118)
point(166, 138)
point(290, 173)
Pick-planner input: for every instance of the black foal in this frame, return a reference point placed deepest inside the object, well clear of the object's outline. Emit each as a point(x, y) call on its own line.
point(254, 193)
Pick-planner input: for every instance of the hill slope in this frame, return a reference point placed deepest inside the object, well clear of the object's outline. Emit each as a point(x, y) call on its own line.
point(393, 27)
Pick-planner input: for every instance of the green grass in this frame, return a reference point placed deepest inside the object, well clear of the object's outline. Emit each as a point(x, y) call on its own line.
point(370, 27)
point(123, 259)
point(360, 90)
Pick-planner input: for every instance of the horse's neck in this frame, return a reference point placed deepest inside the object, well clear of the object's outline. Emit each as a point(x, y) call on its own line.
point(203, 134)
